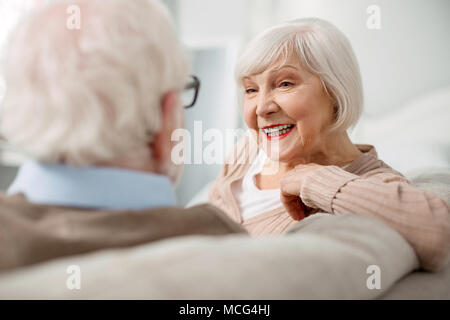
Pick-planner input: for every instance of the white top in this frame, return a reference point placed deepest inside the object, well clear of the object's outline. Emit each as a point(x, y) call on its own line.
point(251, 200)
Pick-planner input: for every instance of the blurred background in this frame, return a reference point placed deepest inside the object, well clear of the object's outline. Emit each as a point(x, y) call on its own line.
point(404, 61)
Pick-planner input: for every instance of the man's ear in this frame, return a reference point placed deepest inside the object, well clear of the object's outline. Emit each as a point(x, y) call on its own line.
point(161, 146)
point(169, 106)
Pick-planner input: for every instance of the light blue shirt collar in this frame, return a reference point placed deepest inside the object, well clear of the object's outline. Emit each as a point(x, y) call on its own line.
point(92, 187)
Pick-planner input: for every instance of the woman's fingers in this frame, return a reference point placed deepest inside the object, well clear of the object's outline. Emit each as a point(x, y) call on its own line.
point(290, 186)
point(290, 189)
point(293, 206)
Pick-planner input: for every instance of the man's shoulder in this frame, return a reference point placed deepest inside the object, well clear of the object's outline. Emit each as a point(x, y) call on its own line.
point(204, 218)
point(208, 209)
point(12, 199)
point(60, 231)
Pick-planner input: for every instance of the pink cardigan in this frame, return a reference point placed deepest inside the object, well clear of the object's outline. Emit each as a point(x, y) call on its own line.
point(367, 187)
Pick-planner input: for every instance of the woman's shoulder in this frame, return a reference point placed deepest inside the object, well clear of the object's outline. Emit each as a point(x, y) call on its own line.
point(239, 159)
point(244, 151)
point(236, 165)
point(369, 164)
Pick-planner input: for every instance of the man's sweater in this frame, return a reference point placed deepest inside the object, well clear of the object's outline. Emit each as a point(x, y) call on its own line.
point(31, 233)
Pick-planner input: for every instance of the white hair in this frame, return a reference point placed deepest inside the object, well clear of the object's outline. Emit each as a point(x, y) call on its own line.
point(319, 47)
point(90, 95)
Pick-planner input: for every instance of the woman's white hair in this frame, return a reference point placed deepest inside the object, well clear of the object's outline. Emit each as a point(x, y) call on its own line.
point(90, 95)
point(320, 48)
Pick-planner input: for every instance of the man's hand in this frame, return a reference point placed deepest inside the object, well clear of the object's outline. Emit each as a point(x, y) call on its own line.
point(290, 186)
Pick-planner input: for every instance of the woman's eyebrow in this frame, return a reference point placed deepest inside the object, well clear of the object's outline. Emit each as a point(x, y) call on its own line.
point(246, 80)
point(271, 73)
point(285, 66)
point(288, 70)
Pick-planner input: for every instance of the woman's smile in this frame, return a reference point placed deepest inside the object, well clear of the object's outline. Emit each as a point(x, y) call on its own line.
point(277, 131)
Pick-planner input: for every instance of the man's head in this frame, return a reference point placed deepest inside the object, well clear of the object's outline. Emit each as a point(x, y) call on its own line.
point(103, 94)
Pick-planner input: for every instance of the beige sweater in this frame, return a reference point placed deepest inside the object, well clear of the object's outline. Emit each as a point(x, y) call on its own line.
point(366, 187)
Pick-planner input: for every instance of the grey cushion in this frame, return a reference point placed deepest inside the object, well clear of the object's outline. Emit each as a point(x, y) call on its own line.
point(436, 180)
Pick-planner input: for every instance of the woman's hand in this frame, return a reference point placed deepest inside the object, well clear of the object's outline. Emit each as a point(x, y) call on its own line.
point(290, 186)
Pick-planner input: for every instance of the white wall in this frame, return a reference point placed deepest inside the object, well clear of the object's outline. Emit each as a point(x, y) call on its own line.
point(216, 110)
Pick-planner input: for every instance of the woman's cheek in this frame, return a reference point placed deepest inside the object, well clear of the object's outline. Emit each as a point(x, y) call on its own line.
point(294, 105)
point(250, 117)
point(308, 132)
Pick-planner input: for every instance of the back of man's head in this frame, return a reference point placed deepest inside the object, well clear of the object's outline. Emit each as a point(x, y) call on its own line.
point(88, 90)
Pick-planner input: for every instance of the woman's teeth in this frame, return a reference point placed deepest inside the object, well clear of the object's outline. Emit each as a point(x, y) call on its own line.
point(278, 130)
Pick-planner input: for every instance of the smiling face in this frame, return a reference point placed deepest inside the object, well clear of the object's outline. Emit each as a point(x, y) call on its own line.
point(289, 108)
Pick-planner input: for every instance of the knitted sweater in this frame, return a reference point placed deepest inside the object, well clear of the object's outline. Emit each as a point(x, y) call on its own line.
point(367, 187)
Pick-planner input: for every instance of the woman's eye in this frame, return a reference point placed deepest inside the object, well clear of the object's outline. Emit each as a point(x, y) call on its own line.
point(286, 84)
point(250, 90)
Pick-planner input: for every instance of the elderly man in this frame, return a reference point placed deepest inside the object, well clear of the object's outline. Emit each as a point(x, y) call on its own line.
point(94, 103)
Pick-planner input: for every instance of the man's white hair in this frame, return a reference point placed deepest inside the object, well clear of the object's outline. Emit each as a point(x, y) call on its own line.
point(320, 48)
point(90, 95)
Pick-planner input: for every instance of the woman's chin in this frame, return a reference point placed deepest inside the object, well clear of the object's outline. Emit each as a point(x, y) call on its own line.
point(280, 149)
point(281, 154)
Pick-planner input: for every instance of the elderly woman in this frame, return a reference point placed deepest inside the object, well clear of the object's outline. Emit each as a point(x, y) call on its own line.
point(300, 88)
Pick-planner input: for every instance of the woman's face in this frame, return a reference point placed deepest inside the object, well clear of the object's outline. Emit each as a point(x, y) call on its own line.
point(290, 110)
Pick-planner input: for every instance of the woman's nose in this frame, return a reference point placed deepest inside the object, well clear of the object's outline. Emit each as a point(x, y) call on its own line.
point(266, 105)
